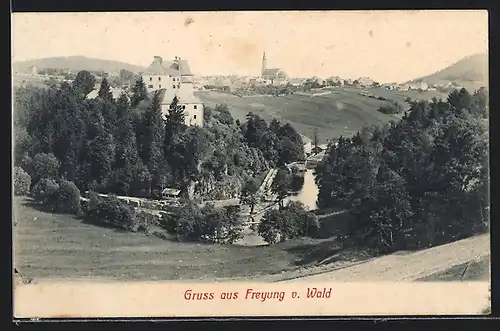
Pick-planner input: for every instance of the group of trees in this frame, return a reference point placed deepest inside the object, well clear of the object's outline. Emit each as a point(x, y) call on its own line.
point(287, 222)
point(416, 183)
point(65, 142)
point(192, 222)
point(280, 144)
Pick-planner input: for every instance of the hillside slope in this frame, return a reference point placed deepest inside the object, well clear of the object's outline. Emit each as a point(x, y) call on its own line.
point(76, 63)
point(411, 266)
point(472, 70)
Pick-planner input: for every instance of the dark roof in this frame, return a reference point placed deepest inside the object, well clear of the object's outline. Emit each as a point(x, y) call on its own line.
point(271, 72)
point(160, 67)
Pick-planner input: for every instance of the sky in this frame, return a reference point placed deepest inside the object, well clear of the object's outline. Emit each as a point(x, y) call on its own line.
point(388, 46)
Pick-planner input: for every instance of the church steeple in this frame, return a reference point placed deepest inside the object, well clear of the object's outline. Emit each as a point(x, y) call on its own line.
point(263, 63)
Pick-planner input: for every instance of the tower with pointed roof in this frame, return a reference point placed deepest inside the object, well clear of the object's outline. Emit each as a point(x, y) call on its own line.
point(263, 63)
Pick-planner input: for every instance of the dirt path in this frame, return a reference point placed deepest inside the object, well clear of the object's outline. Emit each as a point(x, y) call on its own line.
point(410, 266)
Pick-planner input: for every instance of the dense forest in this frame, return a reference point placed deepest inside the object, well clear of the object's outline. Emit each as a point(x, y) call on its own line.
point(414, 183)
point(126, 147)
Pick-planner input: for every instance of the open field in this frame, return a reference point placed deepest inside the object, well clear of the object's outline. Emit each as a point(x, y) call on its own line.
point(38, 81)
point(342, 112)
point(60, 246)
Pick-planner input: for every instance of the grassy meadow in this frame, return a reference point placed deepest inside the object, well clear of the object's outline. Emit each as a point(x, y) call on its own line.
point(342, 112)
point(52, 246)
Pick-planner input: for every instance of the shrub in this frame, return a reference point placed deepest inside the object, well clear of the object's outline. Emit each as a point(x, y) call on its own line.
point(22, 182)
point(67, 198)
point(390, 109)
point(110, 212)
point(291, 222)
point(223, 115)
point(220, 225)
point(44, 191)
point(143, 221)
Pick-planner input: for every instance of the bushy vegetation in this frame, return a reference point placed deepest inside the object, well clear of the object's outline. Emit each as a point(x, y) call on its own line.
point(125, 146)
point(218, 225)
point(420, 182)
point(391, 109)
point(22, 181)
point(266, 90)
point(57, 196)
point(291, 221)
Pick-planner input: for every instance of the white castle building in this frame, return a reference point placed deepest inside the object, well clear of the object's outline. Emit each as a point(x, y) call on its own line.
point(174, 79)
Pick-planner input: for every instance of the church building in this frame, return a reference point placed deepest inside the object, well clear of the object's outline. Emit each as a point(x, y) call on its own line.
point(174, 79)
point(274, 76)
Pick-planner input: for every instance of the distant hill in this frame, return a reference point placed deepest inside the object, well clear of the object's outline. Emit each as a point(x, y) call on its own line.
point(76, 63)
point(471, 71)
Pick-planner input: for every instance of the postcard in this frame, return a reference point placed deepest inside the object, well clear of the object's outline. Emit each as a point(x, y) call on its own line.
point(230, 164)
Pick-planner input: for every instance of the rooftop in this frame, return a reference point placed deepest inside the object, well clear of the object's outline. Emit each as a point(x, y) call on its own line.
point(177, 67)
point(115, 91)
point(171, 191)
point(271, 71)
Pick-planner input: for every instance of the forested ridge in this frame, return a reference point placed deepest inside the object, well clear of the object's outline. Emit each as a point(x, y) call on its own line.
point(414, 183)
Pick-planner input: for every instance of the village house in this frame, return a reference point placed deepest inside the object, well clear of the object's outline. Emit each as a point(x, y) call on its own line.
point(274, 76)
point(174, 79)
point(297, 81)
point(365, 81)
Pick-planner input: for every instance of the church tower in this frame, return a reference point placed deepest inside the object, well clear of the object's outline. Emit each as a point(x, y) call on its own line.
point(263, 63)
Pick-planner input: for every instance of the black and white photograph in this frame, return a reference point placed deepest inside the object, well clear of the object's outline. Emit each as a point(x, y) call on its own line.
point(250, 163)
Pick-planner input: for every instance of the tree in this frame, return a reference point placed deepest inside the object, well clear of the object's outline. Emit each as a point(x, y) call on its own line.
point(139, 91)
point(270, 226)
point(45, 166)
point(127, 162)
point(249, 194)
point(207, 114)
point(84, 82)
point(122, 106)
point(188, 151)
point(174, 121)
point(22, 181)
point(44, 191)
point(109, 211)
point(274, 126)
point(281, 185)
point(224, 115)
point(315, 140)
point(67, 198)
point(100, 158)
point(105, 91)
point(153, 138)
